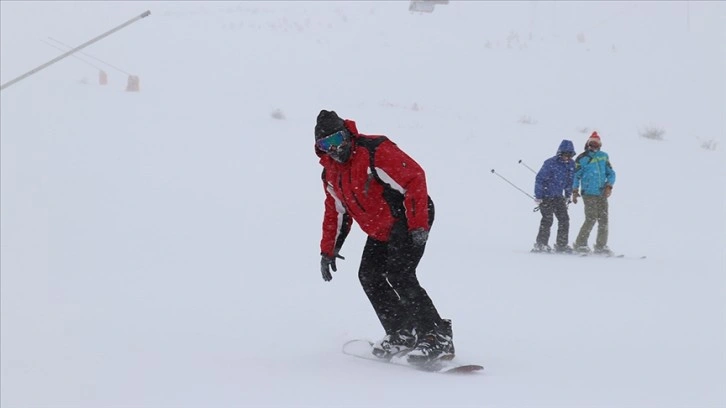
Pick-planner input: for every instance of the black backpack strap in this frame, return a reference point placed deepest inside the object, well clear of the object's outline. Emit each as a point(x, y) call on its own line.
point(393, 197)
point(371, 144)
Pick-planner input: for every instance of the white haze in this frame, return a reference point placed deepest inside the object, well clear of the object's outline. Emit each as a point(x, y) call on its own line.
point(161, 248)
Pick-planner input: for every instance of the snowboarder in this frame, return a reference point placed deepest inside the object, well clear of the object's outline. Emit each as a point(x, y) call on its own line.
point(370, 180)
point(553, 179)
point(594, 171)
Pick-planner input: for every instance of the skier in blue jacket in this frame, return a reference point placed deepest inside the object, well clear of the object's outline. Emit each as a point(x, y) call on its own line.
point(552, 190)
point(594, 180)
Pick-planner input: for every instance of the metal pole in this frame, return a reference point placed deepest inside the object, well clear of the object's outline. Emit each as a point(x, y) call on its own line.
point(512, 184)
point(84, 45)
point(530, 169)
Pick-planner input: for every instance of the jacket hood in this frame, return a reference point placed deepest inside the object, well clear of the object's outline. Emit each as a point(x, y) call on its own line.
point(566, 146)
point(352, 128)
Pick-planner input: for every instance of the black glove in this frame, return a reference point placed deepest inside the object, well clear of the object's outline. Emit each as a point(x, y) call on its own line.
point(419, 236)
point(326, 263)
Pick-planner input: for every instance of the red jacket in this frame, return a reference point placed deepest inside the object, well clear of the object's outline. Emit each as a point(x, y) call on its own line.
point(351, 191)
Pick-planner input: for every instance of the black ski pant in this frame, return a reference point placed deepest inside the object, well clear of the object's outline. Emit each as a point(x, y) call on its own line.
point(557, 207)
point(388, 276)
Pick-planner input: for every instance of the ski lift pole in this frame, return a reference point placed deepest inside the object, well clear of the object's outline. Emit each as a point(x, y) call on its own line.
point(74, 56)
point(525, 165)
point(91, 56)
point(513, 185)
point(80, 47)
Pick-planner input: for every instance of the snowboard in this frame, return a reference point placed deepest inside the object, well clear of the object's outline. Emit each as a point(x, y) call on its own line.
point(363, 349)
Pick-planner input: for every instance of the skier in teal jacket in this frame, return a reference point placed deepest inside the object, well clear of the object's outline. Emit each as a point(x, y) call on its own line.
point(593, 181)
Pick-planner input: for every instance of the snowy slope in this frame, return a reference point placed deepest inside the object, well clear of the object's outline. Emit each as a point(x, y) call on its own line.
point(160, 248)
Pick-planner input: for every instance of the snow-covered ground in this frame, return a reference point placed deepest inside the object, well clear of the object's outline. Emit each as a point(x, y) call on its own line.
point(160, 248)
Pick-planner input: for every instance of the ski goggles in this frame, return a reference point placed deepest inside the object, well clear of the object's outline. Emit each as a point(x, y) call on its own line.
point(331, 142)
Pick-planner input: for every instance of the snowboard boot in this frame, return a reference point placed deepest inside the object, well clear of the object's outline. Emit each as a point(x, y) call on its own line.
point(437, 344)
point(583, 249)
point(394, 343)
point(541, 248)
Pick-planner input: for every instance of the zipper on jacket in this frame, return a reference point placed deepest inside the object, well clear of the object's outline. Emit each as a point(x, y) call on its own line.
point(352, 192)
point(342, 193)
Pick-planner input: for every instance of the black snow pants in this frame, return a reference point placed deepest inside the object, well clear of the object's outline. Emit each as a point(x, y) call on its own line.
point(388, 276)
point(556, 206)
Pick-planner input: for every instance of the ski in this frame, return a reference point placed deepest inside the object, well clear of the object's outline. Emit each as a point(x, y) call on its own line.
point(363, 349)
point(554, 253)
point(588, 254)
point(621, 256)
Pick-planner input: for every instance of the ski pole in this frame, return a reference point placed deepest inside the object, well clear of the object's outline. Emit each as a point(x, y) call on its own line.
point(513, 185)
point(525, 165)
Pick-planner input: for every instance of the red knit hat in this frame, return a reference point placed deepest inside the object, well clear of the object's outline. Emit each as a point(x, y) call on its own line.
point(594, 137)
